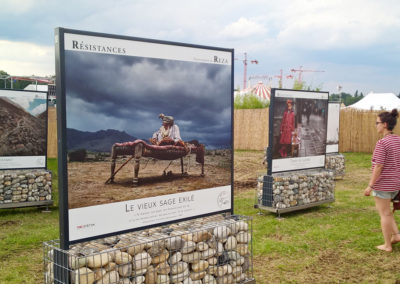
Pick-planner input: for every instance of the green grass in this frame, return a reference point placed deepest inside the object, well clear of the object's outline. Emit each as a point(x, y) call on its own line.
point(249, 101)
point(332, 243)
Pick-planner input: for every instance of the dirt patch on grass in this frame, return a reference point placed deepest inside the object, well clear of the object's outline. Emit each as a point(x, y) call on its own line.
point(328, 266)
point(247, 166)
point(86, 180)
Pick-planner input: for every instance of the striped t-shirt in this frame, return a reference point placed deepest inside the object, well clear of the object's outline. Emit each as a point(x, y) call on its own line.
point(387, 153)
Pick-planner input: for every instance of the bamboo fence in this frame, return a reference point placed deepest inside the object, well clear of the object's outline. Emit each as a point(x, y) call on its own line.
point(357, 131)
point(51, 132)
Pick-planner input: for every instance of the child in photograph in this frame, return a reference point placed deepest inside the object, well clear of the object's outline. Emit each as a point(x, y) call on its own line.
point(286, 129)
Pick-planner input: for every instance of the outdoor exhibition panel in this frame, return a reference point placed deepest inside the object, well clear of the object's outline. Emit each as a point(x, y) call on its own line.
point(296, 177)
point(114, 96)
point(24, 180)
point(334, 160)
point(23, 129)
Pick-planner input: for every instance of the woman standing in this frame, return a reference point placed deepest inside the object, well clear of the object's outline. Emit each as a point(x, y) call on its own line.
point(287, 127)
point(385, 179)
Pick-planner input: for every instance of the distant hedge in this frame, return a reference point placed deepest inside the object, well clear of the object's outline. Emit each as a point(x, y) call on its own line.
point(249, 101)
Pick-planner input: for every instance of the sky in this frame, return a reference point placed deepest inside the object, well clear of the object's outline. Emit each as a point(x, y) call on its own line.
point(355, 43)
point(127, 93)
point(32, 102)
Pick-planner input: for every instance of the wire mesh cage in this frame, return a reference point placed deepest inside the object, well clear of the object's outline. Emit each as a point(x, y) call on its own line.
point(336, 163)
point(295, 190)
point(216, 249)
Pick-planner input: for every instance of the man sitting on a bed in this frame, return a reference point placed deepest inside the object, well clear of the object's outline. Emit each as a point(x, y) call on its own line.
point(168, 134)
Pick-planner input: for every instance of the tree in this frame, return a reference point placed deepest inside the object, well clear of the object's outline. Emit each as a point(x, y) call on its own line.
point(356, 94)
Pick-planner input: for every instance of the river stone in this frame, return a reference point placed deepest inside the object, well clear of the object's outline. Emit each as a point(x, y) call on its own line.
point(191, 257)
point(138, 280)
point(162, 279)
point(156, 249)
point(174, 243)
point(83, 275)
point(122, 258)
point(222, 232)
point(243, 237)
point(242, 249)
point(208, 253)
point(163, 268)
point(231, 243)
point(197, 275)
point(139, 272)
point(212, 269)
point(98, 260)
point(175, 258)
point(77, 262)
point(125, 281)
point(187, 237)
point(179, 267)
point(240, 278)
point(125, 270)
point(135, 249)
point(188, 247)
point(160, 258)
point(236, 271)
point(109, 278)
point(110, 266)
point(226, 279)
point(212, 261)
point(151, 275)
point(222, 270)
point(220, 249)
point(141, 260)
point(199, 266)
point(209, 279)
point(99, 273)
point(180, 277)
point(201, 246)
point(201, 236)
point(189, 281)
point(239, 226)
point(233, 255)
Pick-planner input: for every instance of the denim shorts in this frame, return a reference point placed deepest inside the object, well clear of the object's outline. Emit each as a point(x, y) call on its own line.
point(384, 194)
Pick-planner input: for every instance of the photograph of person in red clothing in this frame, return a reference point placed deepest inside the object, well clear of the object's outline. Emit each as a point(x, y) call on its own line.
point(286, 129)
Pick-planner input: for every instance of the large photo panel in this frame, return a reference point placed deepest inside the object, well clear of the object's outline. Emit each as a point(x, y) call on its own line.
point(332, 138)
point(148, 132)
point(23, 129)
point(298, 123)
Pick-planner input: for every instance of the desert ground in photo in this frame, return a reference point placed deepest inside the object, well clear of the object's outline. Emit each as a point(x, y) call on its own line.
point(86, 180)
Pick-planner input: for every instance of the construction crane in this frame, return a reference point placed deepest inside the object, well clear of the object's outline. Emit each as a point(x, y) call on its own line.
point(280, 79)
point(253, 61)
point(300, 70)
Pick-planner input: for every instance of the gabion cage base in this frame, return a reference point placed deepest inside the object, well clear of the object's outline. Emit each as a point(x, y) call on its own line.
point(25, 188)
point(336, 163)
point(211, 250)
point(295, 190)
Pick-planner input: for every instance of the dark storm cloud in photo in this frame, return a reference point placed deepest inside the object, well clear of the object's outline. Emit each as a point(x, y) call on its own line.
point(128, 93)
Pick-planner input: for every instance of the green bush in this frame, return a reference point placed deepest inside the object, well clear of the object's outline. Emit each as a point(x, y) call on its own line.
point(249, 101)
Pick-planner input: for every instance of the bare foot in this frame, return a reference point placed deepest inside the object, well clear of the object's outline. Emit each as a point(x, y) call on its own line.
point(384, 248)
point(395, 239)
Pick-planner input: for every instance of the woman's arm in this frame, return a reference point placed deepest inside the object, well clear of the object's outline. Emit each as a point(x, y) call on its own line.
point(374, 177)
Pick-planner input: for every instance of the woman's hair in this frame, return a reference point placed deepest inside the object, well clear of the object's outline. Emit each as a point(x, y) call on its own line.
point(390, 118)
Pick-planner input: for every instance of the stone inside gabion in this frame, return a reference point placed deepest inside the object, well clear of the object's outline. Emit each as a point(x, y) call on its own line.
point(25, 186)
point(336, 163)
point(299, 188)
point(207, 250)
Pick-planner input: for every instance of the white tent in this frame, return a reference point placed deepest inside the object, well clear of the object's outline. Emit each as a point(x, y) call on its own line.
point(378, 101)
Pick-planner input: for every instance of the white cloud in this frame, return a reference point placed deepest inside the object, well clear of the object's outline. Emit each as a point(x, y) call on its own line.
point(338, 24)
point(22, 58)
point(243, 28)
